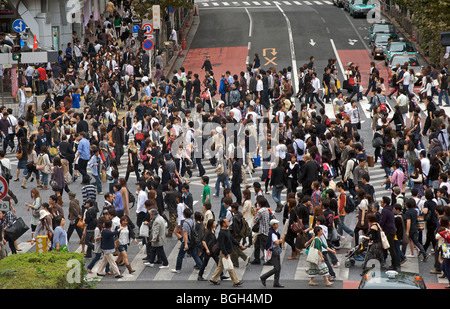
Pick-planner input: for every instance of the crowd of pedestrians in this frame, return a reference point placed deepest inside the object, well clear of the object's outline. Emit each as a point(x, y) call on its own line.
point(104, 111)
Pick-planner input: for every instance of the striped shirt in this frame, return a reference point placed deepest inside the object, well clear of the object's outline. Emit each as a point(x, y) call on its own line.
point(89, 192)
point(262, 216)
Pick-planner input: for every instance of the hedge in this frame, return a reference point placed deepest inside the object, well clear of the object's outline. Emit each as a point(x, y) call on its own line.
point(50, 270)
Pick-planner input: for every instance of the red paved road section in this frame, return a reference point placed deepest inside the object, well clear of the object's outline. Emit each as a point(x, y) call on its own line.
point(362, 58)
point(222, 58)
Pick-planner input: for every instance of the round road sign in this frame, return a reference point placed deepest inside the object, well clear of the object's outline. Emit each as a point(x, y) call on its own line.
point(3, 187)
point(147, 44)
point(148, 28)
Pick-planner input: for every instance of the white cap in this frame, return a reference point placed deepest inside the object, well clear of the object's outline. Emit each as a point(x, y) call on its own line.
point(274, 221)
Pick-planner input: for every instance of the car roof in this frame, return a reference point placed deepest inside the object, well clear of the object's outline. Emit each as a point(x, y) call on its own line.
point(375, 279)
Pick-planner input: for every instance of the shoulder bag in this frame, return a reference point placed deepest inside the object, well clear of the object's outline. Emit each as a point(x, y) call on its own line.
point(313, 254)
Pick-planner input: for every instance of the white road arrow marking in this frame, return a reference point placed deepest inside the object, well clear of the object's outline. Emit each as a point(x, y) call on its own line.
point(352, 42)
point(312, 42)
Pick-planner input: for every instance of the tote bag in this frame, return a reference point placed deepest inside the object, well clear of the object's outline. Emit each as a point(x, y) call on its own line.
point(313, 254)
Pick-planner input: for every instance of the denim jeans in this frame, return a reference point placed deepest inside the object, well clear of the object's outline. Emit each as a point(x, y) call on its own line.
point(44, 179)
point(94, 260)
point(98, 183)
point(445, 93)
point(400, 255)
point(415, 238)
point(192, 251)
point(222, 178)
point(343, 228)
point(276, 194)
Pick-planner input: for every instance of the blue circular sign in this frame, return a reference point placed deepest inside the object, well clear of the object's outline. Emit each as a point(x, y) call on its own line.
point(19, 26)
point(135, 28)
point(147, 44)
point(171, 9)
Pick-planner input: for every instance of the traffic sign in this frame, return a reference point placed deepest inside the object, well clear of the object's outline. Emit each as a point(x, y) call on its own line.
point(3, 187)
point(19, 26)
point(148, 29)
point(135, 28)
point(147, 44)
point(4, 206)
point(171, 9)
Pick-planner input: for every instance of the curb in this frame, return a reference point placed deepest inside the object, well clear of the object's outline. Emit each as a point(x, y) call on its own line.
point(408, 36)
point(194, 20)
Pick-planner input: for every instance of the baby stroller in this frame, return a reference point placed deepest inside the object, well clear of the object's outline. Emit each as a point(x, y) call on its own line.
point(357, 253)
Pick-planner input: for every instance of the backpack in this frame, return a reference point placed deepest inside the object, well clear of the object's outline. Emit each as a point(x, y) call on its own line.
point(227, 86)
point(245, 229)
point(194, 239)
point(350, 204)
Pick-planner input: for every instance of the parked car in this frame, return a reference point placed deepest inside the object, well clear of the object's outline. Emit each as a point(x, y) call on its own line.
point(375, 279)
point(383, 27)
point(379, 42)
point(398, 47)
point(360, 7)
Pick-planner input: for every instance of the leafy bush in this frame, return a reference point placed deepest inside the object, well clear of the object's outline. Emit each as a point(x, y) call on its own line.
point(51, 270)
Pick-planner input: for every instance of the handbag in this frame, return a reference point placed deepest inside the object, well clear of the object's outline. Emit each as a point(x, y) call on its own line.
point(16, 230)
point(80, 224)
point(139, 136)
point(297, 226)
point(313, 254)
point(384, 240)
point(227, 264)
point(144, 230)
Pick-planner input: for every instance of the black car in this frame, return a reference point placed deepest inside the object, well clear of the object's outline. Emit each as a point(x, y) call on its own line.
point(379, 42)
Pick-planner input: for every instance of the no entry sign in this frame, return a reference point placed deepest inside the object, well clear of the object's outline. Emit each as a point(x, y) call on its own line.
point(147, 44)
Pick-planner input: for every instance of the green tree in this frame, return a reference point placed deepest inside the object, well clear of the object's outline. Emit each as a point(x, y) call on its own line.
point(431, 17)
point(143, 8)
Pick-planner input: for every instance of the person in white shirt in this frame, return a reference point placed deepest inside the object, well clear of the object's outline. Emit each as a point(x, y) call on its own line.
point(236, 114)
point(315, 82)
point(354, 114)
point(22, 96)
point(142, 196)
point(173, 36)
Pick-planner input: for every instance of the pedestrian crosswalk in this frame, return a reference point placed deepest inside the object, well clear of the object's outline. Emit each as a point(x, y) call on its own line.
point(291, 269)
point(259, 3)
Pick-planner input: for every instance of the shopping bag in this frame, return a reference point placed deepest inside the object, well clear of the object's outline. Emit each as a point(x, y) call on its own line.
point(227, 264)
point(144, 230)
point(257, 160)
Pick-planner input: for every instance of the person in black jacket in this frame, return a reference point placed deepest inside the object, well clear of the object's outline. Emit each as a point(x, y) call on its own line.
point(225, 242)
point(236, 179)
point(66, 152)
point(90, 221)
point(277, 182)
point(309, 173)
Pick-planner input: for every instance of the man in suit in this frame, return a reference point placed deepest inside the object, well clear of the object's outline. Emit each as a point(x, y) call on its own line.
point(309, 173)
point(157, 239)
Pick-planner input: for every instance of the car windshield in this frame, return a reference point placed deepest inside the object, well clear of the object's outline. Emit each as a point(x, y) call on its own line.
point(382, 39)
point(402, 47)
point(361, 2)
point(383, 28)
point(401, 60)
